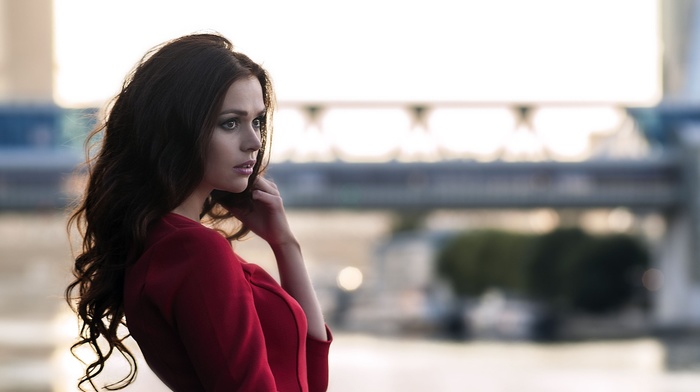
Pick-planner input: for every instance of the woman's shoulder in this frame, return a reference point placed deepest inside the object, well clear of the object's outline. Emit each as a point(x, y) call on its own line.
point(183, 238)
point(174, 227)
point(178, 249)
point(183, 258)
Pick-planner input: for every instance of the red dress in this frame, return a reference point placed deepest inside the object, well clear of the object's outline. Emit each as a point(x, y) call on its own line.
point(206, 320)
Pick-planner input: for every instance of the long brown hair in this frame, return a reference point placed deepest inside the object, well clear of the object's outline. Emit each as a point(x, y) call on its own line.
point(151, 155)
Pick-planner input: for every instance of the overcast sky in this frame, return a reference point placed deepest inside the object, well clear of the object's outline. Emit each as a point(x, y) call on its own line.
point(374, 50)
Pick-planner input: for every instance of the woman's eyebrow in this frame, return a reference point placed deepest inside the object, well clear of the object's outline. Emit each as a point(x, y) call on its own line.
point(241, 112)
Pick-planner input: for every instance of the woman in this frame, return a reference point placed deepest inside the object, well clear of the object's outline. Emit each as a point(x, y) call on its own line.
point(185, 141)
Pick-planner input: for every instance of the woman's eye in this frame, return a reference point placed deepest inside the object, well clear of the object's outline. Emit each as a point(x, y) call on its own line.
point(258, 123)
point(229, 124)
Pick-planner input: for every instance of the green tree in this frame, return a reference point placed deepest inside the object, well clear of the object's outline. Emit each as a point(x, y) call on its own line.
point(549, 264)
point(476, 261)
point(607, 275)
point(566, 268)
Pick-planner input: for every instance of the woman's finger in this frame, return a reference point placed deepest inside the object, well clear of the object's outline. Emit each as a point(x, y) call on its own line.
point(265, 197)
point(266, 185)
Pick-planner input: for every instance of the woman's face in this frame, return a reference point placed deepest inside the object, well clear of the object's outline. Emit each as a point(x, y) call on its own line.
point(235, 140)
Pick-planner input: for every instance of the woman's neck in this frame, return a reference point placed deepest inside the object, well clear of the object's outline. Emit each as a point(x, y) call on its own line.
point(191, 207)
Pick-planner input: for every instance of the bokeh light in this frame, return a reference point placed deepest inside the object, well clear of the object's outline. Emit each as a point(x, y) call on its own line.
point(350, 278)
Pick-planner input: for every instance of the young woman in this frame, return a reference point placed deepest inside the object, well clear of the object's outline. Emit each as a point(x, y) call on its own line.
point(184, 144)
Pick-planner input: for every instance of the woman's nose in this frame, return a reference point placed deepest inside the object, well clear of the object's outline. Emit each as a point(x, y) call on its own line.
point(252, 141)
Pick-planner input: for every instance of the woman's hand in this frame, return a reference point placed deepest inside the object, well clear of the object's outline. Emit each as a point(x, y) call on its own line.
point(267, 219)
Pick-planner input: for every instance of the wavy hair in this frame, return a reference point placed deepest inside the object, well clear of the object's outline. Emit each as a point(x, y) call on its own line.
point(150, 156)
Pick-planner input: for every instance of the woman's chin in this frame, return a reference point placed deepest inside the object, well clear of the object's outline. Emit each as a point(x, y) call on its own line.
point(237, 188)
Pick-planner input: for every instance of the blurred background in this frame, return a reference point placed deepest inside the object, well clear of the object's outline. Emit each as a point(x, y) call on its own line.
point(491, 195)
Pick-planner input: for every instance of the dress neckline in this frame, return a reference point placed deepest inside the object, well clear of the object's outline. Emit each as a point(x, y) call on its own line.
point(181, 217)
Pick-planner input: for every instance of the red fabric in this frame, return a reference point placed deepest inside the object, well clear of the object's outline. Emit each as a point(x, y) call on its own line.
point(206, 320)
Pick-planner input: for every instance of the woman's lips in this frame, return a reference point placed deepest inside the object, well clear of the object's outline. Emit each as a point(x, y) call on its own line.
point(245, 169)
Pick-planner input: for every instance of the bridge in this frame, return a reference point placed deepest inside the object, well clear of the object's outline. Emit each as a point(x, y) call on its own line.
point(41, 146)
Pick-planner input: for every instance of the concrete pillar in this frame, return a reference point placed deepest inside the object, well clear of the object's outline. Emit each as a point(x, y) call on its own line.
point(678, 301)
point(26, 51)
point(678, 35)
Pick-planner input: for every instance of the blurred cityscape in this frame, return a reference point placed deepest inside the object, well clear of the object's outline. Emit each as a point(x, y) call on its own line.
point(490, 246)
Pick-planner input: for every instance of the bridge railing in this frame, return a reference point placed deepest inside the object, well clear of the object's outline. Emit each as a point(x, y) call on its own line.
point(653, 183)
